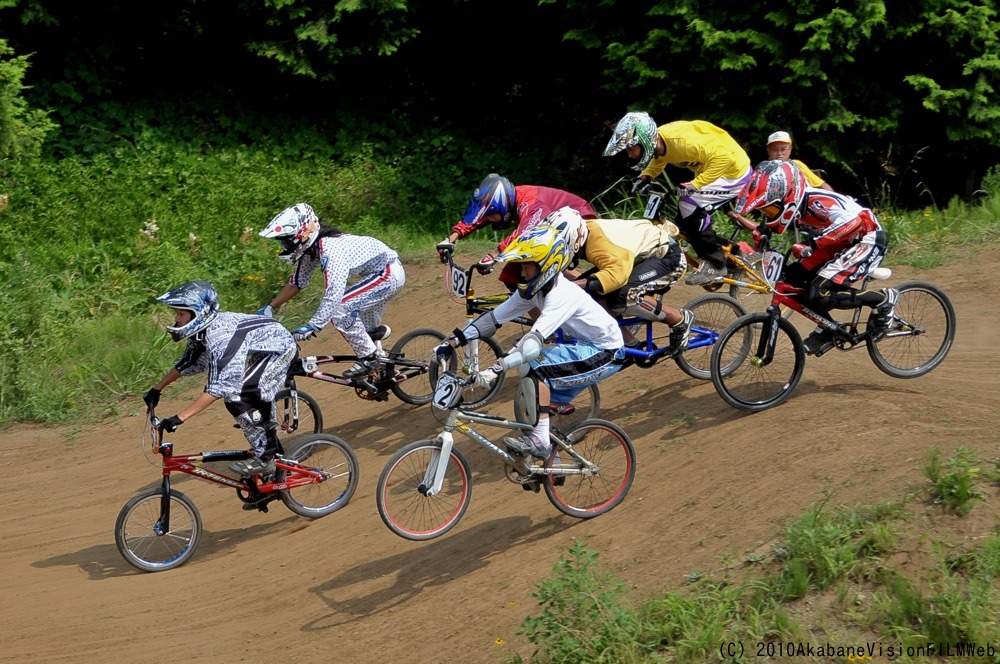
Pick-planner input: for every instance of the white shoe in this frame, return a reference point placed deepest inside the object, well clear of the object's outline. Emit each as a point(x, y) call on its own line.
point(529, 444)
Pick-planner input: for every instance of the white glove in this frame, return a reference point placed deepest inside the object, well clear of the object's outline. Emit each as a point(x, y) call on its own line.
point(266, 310)
point(487, 377)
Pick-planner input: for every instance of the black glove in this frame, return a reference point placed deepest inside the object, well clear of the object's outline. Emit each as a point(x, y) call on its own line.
point(151, 397)
point(444, 351)
point(485, 264)
point(641, 184)
point(171, 423)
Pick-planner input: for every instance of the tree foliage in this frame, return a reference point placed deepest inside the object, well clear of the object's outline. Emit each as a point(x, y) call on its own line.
point(862, 83)
point(22, 128)
point(875, 91)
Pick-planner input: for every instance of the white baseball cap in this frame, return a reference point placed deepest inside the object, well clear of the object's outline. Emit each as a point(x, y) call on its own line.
point(779, 137)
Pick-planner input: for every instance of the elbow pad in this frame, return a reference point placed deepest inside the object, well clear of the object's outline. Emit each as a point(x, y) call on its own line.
point(526, 350)
point(484, 326)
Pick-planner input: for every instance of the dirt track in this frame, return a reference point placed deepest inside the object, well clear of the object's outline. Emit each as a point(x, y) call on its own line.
point(711, 481)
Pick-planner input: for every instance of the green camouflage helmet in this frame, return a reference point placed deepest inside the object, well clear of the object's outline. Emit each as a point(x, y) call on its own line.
point(635, 127)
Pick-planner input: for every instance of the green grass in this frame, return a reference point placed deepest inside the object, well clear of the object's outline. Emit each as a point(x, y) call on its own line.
point(839, 552)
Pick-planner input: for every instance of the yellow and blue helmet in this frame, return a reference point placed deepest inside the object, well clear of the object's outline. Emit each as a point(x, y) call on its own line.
point(544, 245)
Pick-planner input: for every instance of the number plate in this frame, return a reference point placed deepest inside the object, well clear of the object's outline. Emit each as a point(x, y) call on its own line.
point(448, 392)
point(459, 285)
point(773, 262)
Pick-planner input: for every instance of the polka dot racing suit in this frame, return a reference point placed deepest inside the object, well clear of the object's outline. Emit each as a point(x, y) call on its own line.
point(357, 308)
point(247, 359)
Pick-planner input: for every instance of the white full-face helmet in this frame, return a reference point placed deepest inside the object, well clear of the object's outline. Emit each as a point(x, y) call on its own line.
point(296, 229)
point(571, 225)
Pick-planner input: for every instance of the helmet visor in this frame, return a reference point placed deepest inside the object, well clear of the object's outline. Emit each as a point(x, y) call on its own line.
point(771, 211)
point(288, 244)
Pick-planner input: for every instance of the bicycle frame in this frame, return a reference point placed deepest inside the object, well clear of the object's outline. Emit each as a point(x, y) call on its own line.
point(786, 295)
point(190, 464)
point(755, 282)
point(309, 367)
point(460, 280)
point(459, 419)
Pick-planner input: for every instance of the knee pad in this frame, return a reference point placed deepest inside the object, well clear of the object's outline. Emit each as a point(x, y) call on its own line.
point(526, 401)
point(646, 311)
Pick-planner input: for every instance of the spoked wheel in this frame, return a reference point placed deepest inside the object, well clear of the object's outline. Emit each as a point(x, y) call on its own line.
point(143, 540)
point(611, 452)
point(586, 406)
point(751, 300)
point(297, 413)
point(713, 313)
point(743, 378)
point(412, 353)
point(921, 334)
point(401, 495)
point(333, 456)
point(477, 355)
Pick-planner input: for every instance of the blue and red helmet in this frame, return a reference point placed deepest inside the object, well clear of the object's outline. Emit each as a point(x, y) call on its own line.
point(494, 195)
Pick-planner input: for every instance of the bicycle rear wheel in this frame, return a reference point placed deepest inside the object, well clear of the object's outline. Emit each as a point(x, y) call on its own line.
point(141, 538)
point(740, 374)
point(333, 456)
point(922, 332)
point(713, 312)
point(412, 355)
point(296, 414)
point(612, 454)
point(401, 495)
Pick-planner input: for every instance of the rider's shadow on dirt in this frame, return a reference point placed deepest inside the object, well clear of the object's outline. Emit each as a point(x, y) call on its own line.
point(103, 561)
point(385, 583)
point(384, 432)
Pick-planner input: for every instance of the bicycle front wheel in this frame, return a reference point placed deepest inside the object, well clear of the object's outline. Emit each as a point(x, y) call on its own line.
point(333, 456)
point(743, 378)
point(402, 493)
point(713, 313)
point(606, 478)
point(411, 355)
point(297, 413)
point(921, 334)
point(143, 539)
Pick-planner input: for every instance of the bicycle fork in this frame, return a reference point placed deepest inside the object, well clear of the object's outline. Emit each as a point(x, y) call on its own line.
point(162, 526)
point(768, 337)
point(434, 475)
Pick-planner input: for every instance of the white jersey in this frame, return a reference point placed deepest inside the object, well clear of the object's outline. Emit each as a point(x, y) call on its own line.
point(568, 306)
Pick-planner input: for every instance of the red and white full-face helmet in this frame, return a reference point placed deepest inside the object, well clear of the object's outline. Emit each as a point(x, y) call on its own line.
point(296, 229)
point(776, 190)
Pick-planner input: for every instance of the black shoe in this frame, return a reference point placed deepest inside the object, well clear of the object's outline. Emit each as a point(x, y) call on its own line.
point(380, 333)
point(818, 342)
point(363, 366)
point(253, 466)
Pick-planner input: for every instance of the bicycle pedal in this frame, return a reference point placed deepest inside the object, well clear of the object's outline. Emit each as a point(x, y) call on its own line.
point(260, 503)
point(532, 486)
